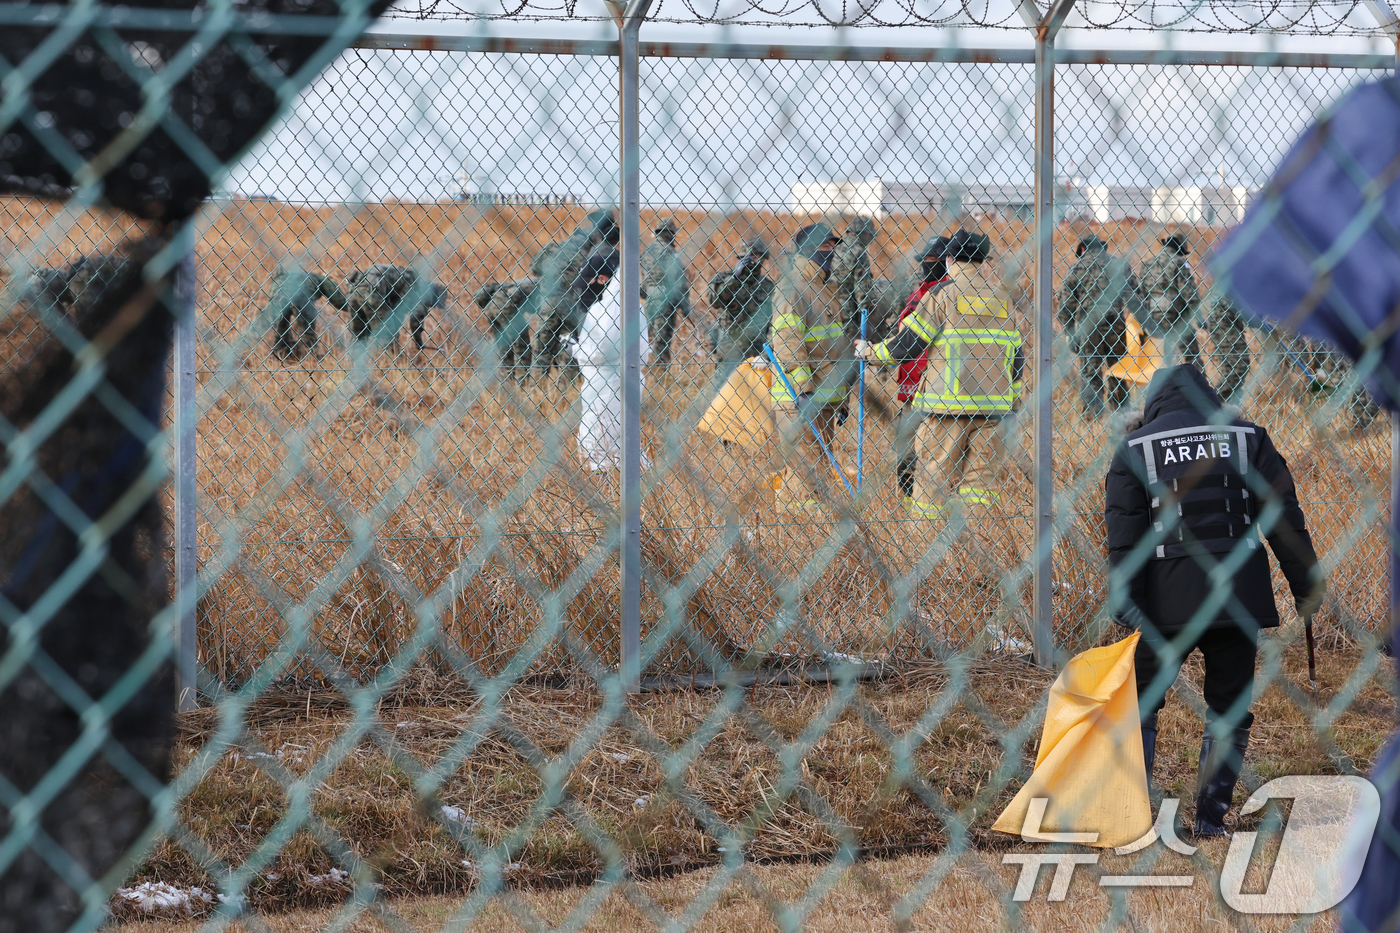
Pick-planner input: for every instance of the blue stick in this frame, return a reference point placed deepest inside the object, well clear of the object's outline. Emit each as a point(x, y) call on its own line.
point(860, 410)
point(1283, 342)
point(773, 358)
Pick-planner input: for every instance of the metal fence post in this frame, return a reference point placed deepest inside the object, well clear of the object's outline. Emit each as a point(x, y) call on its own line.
point(186, 488)
point(1043, 626)
point(630, 545)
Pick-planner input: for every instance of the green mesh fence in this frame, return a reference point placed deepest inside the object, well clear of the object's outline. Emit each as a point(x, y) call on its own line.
point(399, 469)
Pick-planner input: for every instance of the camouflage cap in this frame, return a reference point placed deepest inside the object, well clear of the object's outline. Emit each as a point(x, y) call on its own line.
point(861, 228)
point(812, 236)
point(540, 263)
point(968, 246)
point(599, 223)
point(666, 227)
point(753, 246)
point(1177, 243)
point(1089, 242)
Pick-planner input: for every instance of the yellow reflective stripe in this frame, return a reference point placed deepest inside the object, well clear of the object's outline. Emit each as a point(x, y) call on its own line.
point(824, 331)
point(979, 335)
point(964, 404)
point(986, 307)
point(923, 328)
point(976, 495)
point(924, 509)
point(830, 394)
point(883, 355)
point(786, 320)
point(779, 391)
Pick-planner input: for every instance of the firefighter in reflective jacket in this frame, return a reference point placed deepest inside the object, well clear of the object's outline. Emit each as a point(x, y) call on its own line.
point(1188, 496)
point(810, 344)
point(971, 382)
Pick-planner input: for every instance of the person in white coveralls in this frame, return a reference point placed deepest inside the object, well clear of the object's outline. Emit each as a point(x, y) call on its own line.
point(598, 351)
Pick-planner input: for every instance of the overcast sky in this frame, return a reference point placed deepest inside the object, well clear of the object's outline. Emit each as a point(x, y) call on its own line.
point(405, 125)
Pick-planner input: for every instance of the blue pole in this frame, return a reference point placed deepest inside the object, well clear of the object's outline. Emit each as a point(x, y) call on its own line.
point(860, 410)
point(772, 358)
point(1283, 342)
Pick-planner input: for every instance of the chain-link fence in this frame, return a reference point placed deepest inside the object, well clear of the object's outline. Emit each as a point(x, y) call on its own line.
point(411, 484)
point(739, 155)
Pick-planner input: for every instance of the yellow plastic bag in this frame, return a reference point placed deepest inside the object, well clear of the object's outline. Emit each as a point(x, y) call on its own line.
point(1144, 356)
point(1090, 767)
point(742, 412)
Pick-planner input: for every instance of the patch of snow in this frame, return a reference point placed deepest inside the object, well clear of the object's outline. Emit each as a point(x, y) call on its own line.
point(641, 802)
point(151, 896)
point(334, 876)
point(619, 756)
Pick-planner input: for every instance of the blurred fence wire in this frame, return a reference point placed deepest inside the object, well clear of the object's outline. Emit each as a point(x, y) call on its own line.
point(463, 391)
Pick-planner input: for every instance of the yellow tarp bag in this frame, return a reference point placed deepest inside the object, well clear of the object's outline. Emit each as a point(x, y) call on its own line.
point(1144, 356)
point(1089, 769)
point(742, 411)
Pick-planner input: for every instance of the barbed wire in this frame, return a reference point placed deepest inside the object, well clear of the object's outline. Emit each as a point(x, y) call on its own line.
point(1283, 17)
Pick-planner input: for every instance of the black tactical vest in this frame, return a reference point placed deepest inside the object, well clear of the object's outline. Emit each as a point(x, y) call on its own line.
point(1196, 478)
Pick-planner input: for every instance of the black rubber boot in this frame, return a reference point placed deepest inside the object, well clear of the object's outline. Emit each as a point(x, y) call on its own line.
point(1149, 744)
point(905, 470)
point(1215, 781)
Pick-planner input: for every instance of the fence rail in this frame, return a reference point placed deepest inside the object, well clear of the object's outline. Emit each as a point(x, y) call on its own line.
point(428, 457)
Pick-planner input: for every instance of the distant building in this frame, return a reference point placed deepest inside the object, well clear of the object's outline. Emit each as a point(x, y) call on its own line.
point(865, 198)
point(1212, 205)
point(516, 197)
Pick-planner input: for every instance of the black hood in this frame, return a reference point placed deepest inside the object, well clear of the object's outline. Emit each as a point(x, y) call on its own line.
point(1180, 388)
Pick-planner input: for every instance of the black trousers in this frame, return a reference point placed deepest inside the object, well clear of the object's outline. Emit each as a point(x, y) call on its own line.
point(1229, 655)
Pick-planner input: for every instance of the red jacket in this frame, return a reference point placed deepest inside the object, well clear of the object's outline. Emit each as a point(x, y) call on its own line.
point(912, 372)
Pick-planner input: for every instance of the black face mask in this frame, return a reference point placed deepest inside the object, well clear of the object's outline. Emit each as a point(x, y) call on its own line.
point(823, 259)
point(934, 269)
point(592, 292)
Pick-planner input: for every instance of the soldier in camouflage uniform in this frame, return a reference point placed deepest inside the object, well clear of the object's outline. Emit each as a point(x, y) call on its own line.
point(295, 292)
point(1231, 340)
point(742, 299)
point(508, 307)
point(666, 287)
point(559, 313)
point(1095, 294)
point(850, 270)
point(74, 288)
point(1173, 299)
point(1332, 370)
point(383, 292)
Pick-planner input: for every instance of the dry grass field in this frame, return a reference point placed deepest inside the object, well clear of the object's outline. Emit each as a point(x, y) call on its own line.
point(868, 898)
point(346, 493)
point(340, 494)
point(371, 813)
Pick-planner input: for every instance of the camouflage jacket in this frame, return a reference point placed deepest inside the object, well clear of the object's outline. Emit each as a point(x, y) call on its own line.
point(382, 292)
point(1093, 297)
point(299, 289)
point(664, 279)
point(1169, 287)
point(508, 310)
point(559, 270)
point(75, 288)
point(742, 298)
point(850, 273)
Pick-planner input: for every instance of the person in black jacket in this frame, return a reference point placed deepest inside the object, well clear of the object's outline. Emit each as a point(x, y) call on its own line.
point(1187, 497)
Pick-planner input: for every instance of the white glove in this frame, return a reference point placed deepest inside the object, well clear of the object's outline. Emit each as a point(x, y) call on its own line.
point(758, 363)
point(865, 350)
